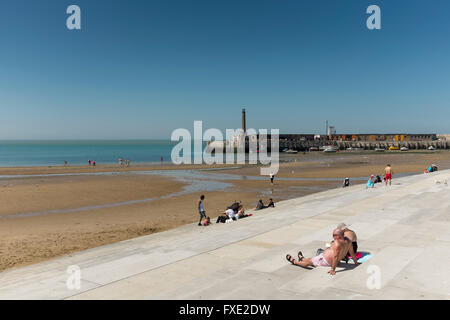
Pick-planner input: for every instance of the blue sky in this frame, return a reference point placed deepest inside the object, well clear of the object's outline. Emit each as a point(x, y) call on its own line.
point(142, 68)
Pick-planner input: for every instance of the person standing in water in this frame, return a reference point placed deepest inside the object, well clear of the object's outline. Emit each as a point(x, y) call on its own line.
point(201, 209)
point(272, 176)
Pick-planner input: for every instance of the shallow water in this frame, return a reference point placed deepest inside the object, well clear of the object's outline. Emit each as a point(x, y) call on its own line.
point(24, 153)
point(192, 186)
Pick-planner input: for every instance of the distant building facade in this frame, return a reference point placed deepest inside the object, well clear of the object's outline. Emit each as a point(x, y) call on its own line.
point(394, 137)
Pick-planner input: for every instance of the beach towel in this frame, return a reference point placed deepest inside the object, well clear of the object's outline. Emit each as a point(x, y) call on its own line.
point(361, 256)
point(358, 255)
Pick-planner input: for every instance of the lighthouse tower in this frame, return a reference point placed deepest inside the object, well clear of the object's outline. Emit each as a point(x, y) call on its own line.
point(244, 124)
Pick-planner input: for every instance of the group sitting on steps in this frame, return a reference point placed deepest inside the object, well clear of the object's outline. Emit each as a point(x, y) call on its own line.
point(232, 213)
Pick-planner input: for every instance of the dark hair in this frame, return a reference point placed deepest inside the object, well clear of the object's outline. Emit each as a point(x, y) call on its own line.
point(202, 197)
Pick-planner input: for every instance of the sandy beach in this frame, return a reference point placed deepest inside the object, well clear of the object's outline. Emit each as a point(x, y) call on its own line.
point(67, 209)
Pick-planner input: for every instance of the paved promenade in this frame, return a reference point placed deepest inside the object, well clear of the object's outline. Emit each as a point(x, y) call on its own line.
point(406, 227)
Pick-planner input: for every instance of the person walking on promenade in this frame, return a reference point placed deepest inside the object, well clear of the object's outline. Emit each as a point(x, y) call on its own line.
point(388, 172)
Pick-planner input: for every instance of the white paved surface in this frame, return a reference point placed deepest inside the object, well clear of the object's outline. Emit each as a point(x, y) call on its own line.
point(406, 227)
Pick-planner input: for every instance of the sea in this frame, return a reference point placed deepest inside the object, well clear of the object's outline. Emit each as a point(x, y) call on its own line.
point(24, 153)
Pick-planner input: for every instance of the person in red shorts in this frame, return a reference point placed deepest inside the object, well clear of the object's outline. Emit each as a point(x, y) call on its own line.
point(388, 174)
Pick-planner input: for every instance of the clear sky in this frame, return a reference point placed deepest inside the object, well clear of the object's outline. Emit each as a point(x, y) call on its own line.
point(142, 68)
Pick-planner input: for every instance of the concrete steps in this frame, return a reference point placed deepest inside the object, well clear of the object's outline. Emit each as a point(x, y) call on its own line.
point(400, 225)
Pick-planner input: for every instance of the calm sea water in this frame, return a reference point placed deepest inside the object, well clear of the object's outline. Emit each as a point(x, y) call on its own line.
point(52, 153)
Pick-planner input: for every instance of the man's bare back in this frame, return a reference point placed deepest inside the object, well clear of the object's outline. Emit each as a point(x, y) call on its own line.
point(338, 248)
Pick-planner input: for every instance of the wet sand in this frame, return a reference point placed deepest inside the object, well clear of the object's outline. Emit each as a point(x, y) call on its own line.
point(47, 216)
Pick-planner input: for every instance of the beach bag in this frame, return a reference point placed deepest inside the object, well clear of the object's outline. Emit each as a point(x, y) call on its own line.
point(221, 219)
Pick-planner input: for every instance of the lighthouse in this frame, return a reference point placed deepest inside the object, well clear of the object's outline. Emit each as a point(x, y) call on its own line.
point(243, 120)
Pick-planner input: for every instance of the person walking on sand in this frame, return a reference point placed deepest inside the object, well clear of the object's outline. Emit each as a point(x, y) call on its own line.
point(272, 176)
point(201, 209)
point(388, 172)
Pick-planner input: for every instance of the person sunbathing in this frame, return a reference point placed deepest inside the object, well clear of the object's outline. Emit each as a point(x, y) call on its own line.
point(224, 216)
point(330, 257)
point(371, 182)
point(241, 213)
point(351, 235)
point(260, 205)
